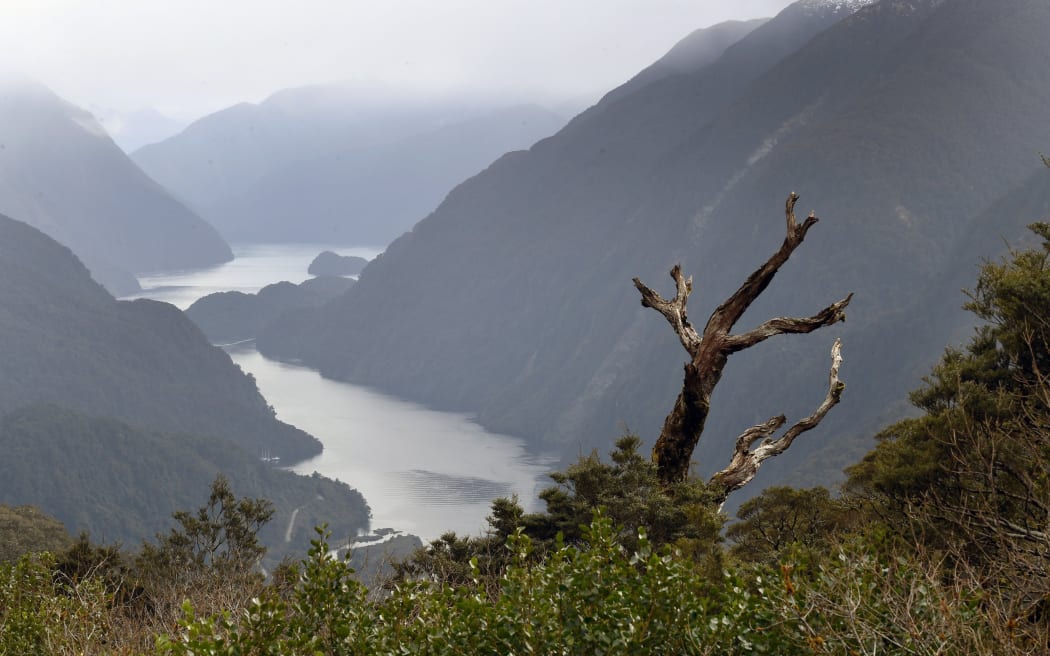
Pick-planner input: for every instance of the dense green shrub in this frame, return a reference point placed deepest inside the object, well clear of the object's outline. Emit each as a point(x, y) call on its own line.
point(596, 597)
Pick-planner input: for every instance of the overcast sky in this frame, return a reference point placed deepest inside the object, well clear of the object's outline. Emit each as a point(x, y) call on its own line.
point(190, 57)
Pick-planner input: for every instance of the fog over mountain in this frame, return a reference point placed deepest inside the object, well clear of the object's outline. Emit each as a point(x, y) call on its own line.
point(334, 164)
point(133, 130)
point(340, 163)
point(899, 124)
point(60, 172)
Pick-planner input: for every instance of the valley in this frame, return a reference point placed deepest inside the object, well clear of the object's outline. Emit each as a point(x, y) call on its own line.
point(422, 471)
point(340, 328)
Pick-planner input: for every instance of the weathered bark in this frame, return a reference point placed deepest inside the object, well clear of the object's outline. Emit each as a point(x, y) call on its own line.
point(709, 353)
point(745, 462)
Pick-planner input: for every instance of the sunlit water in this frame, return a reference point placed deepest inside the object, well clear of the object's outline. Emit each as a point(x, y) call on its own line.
point(422, 471)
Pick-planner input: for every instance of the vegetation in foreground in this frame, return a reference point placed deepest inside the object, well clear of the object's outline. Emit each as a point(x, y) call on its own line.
point(938, 545)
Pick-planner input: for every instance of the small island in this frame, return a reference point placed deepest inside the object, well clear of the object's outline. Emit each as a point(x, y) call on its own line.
point(333, 264)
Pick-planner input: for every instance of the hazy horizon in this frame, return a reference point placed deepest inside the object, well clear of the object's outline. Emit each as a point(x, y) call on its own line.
point(189, 59)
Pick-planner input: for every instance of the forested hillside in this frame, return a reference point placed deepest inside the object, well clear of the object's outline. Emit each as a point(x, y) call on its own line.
point(121, 484)
point(68, 342)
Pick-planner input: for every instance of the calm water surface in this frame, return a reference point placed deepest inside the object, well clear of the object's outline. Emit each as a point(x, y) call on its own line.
point(422, 471)
point(254, 266)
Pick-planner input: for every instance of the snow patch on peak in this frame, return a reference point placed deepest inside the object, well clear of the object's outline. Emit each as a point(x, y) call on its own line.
point(835, 6)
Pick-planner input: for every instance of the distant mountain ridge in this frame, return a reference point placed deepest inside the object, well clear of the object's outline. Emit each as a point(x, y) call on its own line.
point(899, 122)
point(334, 163)
point(61, 173)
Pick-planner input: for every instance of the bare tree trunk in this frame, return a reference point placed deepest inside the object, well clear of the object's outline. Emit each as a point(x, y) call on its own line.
point(709, 353)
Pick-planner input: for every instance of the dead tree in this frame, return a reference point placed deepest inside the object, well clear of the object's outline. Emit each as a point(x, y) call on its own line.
point(709, 353)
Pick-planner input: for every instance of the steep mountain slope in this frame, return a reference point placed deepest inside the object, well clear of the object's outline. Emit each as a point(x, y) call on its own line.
point(897, 123)
point(701, 48)
point(539, 251)
point(334, 162)
point(64, 340)
point(122, 483)
point(61, 173)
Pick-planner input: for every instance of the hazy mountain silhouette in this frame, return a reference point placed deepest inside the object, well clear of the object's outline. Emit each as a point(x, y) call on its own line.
point(64, 340)
point(898, 123)
point(370, 195)
point(142, 127)
point(334, 163)
point(60, 172)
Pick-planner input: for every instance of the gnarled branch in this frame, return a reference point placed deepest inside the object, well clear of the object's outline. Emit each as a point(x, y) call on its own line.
point(675, 309)
point(789, 325)
point(728, 313)
point(745, 462)
point(709, 351)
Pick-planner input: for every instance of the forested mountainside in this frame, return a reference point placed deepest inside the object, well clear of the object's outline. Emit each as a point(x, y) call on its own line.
point(331, 164)
point(227, 317)
point(701, 48)
point(61, 173)
point(900, 123)
point(66, 341)
point(122, 483)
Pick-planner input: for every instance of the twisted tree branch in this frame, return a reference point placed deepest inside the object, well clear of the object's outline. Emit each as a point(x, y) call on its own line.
point(745, 463)
point(710, 350)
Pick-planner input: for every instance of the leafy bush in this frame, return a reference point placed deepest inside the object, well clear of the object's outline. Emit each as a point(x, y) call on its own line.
point(598, 598)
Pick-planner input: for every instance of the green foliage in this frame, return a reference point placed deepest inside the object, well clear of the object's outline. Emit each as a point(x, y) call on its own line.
point(782, 519)
point(41, 615)
point(630, 491)
point(222, 535)
point(969, 477)
point(596, 597)
point(627, 490)
point(996, 385)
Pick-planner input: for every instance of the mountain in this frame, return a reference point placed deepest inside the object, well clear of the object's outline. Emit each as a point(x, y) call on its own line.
point(334, 163)
point(133, 130)
point(897, 121)
point(61, 173)
point(690, 55)
point(64, 340)
point(122, 483)
point(370, 195)
point(227, 317)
